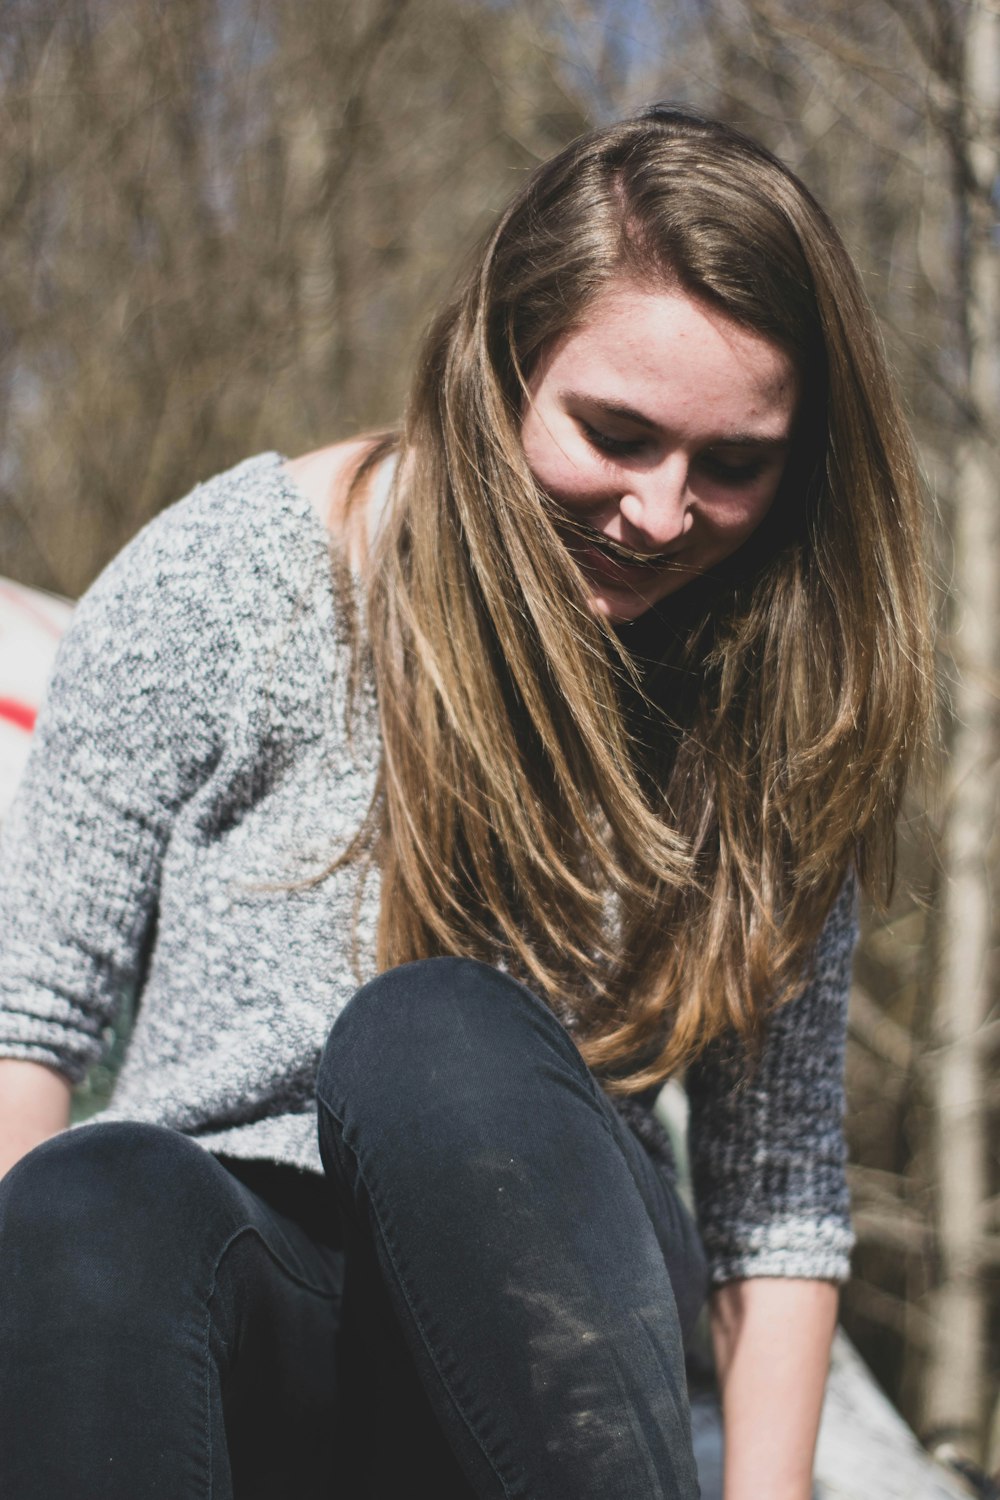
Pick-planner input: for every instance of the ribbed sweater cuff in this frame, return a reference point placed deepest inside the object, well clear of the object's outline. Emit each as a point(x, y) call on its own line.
point(815, 1249)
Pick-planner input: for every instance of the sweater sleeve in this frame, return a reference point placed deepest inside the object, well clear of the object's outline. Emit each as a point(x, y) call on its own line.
point(131, 724)
point(767, 1143)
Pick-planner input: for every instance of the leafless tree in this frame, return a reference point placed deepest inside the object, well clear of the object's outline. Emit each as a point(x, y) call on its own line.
point(224, 226)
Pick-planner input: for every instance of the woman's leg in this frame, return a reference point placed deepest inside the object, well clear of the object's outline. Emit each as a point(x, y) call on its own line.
point(163, 1333)
point(507, 1281)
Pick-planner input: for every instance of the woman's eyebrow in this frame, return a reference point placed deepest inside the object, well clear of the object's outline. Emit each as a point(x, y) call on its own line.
point(613, 408)
point(774, 443)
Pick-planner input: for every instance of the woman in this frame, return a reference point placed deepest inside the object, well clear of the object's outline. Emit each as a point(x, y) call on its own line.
point(612, 692)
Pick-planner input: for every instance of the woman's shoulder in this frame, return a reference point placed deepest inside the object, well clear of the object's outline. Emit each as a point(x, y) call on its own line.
point(246, 515)
point(324, 477)
point(347, 495)
point(211, 582)
point(235, 540)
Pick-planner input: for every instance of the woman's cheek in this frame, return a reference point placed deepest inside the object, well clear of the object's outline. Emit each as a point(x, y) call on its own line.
point(582, 483)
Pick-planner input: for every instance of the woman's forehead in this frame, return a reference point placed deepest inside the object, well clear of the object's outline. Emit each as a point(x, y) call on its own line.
point(650, 356)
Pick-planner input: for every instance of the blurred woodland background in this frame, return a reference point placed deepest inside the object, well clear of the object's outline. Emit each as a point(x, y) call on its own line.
point(223, 224)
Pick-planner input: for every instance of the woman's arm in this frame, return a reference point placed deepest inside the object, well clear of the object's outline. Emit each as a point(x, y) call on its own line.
point(767, 1149)
point(766, 1133)
point(772, 1338)
point(34, 1104)
point(131, 726)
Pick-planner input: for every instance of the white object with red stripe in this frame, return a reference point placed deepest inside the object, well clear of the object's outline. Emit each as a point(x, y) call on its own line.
point(31, 624)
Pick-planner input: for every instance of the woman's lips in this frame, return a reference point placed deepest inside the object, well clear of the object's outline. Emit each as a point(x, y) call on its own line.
point(599, 554)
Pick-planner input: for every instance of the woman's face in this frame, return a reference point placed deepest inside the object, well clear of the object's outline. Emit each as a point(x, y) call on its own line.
point(660, 429)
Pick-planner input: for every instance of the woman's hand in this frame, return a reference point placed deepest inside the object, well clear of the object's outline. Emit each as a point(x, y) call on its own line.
point(772, 1338)
point(34, 1104)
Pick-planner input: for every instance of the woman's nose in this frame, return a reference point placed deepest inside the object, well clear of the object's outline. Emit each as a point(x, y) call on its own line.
point(657, 505)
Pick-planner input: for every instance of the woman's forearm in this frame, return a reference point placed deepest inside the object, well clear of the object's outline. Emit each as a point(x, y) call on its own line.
point(34, 1104)
point(772, 1338)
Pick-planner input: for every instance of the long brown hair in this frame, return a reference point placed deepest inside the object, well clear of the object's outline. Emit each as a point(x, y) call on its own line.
point(652, 838)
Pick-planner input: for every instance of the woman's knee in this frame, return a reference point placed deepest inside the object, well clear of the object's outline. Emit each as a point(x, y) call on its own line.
point(104, 1216)
point(441, 1034)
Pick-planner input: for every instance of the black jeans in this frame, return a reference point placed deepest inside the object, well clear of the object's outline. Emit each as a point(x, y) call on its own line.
point(505, 1315)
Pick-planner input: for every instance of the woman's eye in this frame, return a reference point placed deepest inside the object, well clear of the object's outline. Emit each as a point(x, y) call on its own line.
point(605, 443)
point(730, 473)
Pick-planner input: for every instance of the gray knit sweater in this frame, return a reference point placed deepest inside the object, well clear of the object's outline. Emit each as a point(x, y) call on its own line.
point(190, 771)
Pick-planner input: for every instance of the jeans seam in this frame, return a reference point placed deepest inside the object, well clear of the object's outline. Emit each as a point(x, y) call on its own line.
point(299, 1281)
point(275, 1258)
point(418, 1322)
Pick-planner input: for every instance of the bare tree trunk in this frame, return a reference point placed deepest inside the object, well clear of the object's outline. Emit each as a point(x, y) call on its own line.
point(993, 1441)
point(957, 1372)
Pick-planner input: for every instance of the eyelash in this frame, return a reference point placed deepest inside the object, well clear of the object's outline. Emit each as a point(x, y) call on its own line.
point(735, 474)
point(615, 447)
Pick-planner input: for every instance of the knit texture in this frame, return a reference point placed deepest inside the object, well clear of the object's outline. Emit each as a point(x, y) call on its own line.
point(191, 781)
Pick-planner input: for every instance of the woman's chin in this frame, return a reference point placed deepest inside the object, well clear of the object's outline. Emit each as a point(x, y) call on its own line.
point(619, 605)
